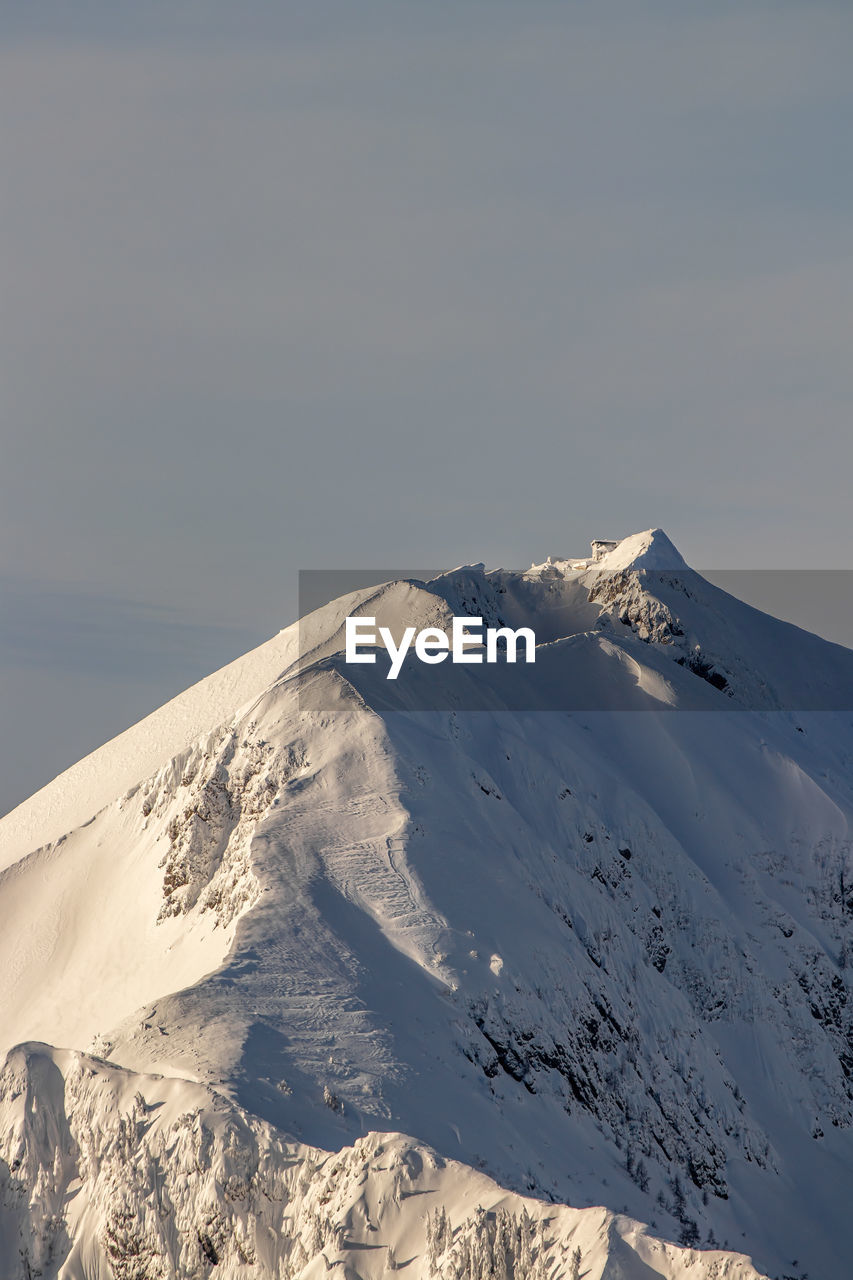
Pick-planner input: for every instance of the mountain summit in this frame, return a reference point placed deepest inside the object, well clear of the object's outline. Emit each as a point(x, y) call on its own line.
point(651, 549)
point(388, 975)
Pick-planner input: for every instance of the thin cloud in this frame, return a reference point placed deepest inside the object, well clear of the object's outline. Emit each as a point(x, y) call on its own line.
point(77, 631)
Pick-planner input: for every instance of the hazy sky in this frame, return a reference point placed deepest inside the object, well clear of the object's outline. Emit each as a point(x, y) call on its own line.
point(293, 285)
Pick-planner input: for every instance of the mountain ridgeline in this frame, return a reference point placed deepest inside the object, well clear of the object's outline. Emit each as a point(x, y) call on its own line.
point(532, 971)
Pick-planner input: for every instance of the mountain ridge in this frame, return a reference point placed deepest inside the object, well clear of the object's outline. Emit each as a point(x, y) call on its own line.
point(600, 956)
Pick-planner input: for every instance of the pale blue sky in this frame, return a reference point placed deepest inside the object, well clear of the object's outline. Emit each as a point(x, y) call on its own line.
point(303, 285)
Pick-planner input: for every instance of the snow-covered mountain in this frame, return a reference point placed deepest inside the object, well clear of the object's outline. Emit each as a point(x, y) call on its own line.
point(373, 975)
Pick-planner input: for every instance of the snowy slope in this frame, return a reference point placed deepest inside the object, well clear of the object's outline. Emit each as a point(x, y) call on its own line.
point(549, 928)
point(80, 792)
point(144, 1178)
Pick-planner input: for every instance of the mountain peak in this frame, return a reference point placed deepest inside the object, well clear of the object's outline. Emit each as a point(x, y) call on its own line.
point(575, 952)
point(651, 549)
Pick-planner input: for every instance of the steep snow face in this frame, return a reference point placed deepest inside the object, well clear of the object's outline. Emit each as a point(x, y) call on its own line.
point(108, 1173)
point(602, 956)
point(649, 550)
point(87, 787)
point(141, 900)
point(82, 791)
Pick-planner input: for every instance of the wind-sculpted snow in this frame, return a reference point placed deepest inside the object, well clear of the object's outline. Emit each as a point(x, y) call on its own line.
point(108, 1173)
point(600, 956)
